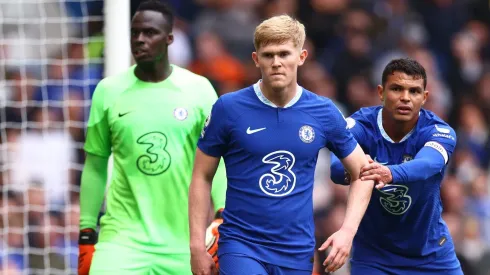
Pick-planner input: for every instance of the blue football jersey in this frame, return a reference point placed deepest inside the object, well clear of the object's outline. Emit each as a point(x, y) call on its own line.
point(403, 224)
point(270, 155)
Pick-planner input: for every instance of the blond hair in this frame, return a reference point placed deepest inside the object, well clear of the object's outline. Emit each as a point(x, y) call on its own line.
point(280, 29)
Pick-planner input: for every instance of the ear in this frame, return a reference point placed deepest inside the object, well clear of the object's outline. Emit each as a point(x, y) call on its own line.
point(170, 38)
point(426, 95)
point(255, 58)
point(302, 57)
point(381, 93)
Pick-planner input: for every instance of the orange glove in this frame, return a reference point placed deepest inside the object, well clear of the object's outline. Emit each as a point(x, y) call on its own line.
point(86, 248)
point(212, 236)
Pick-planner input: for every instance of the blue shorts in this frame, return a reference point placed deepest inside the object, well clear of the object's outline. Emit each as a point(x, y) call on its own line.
point(240, 264)
point(363, 268)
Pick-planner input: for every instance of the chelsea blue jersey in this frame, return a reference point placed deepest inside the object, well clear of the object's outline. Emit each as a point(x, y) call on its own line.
point(403, 224)
point(270, 155)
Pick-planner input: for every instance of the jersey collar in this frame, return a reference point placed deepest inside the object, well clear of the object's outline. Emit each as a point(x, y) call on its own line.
point(260, 95)
point(383, 132)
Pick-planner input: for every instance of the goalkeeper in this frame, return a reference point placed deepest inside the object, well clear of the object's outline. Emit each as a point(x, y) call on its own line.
point(150, 117)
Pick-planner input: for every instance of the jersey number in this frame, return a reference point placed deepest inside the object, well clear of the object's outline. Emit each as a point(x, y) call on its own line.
point(157, 160)
point(281, 179)
point(394, 199)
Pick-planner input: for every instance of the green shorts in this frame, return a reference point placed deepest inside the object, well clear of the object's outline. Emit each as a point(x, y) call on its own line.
point(114, 259)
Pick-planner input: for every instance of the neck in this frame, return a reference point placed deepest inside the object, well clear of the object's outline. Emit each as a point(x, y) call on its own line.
point(280, 97)
point(153, 72)
point(397, 130)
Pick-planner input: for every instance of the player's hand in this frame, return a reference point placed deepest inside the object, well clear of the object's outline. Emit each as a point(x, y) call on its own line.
point(341, 242)
point(202, 263)
point(212, 236)
point(86, 248)
point(377, 172)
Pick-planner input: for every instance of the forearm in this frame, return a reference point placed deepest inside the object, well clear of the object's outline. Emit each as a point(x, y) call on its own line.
point(199, 204)
point(218, 190)
point(357, 203)
point(427, 163)
point(359, 192)
point(93, 184)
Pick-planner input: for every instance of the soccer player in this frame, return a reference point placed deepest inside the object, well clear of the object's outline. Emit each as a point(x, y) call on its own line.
point(269, 135)
point(150, 117)
point(402, 231)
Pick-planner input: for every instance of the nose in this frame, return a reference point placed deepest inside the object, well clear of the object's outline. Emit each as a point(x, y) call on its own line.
point(275, 62)
point(405, 96)
point(138, 38)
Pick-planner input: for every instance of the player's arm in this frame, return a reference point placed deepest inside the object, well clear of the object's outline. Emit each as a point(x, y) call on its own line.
point(360, 191)
point(199, 198)
point(92, 189)
point(211, 147)
point(94, 177)
point(342, 143)
point(428, 161)
point(338, 173)
point(218, 190)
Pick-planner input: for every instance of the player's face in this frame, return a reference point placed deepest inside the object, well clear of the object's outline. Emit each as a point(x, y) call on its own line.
point(403, 96)
point(149, 37)
point(279, 63)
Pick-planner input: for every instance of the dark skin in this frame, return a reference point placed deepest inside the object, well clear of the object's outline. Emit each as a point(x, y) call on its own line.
point(150, 37)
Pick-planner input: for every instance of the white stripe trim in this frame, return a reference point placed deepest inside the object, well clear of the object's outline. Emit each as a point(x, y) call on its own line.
point(383, 132)
point(439, 148)
point(261, 96)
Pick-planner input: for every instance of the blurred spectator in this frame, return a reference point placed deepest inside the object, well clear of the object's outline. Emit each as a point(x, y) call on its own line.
point(216, 63)
point(478, 206)
point(233, 21)
point(43, 156)
point(24, 22)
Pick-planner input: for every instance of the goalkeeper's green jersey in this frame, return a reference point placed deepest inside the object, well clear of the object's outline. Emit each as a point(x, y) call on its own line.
point(152, 130)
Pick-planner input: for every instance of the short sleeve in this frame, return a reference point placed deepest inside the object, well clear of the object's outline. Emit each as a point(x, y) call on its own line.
point(357, 129)
point(339, 139)
point(97, 141)
point(213, 136)
point(442, 138)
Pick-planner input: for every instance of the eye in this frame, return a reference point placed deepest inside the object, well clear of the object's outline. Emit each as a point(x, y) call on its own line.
point(284, 54)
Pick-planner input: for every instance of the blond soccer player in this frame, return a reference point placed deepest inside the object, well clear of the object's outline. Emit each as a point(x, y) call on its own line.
point(269, 135)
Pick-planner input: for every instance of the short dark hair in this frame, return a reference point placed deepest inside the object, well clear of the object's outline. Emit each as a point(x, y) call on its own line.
point(404, 65)
point(161, 7)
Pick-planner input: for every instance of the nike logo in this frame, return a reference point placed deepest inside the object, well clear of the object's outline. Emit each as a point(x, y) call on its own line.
point(123, 114)
point(382, 163)
point(249, 131)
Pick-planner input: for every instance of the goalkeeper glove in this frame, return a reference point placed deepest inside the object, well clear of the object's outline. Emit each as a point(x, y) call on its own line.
point(212, 236)
point(86, 248)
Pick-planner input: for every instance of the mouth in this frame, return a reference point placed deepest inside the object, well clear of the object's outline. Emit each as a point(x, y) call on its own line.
point(138, 53)
point(404, 110)
point(277, 74)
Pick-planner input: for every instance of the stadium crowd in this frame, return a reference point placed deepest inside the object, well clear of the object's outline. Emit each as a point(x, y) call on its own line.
point(49, 69)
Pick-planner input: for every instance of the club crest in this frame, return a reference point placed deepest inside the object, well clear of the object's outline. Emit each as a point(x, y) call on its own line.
point(180, 113)
point(306, 134)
